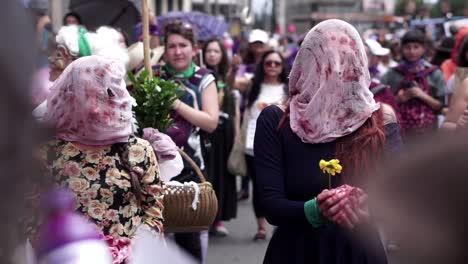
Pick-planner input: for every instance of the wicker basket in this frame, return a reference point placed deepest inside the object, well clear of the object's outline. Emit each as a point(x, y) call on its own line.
point(179, 216)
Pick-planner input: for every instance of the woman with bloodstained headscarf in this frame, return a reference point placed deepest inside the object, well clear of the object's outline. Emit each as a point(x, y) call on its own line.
point(331, 114)
point(113, 174)
point(73, 42)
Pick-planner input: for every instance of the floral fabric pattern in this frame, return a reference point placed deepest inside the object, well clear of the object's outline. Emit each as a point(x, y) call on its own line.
point(103, 186)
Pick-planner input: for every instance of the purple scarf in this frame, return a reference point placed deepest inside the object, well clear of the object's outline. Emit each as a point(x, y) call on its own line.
point(416, 67)
point(374, 72)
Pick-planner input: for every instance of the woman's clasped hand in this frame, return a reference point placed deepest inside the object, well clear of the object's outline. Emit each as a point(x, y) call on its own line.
point(345, 205)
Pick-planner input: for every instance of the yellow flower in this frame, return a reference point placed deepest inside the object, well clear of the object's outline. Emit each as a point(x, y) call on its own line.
point(331, 167)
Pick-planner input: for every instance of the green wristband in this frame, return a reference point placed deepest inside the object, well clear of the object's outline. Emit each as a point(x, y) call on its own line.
point(312, 213)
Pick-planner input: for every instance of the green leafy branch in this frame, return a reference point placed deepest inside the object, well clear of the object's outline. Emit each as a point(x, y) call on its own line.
point(154, 97)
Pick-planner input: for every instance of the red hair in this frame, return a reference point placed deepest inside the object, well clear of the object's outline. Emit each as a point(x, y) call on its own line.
point(358, 151)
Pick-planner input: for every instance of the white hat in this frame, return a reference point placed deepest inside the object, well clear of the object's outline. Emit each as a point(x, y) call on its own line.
point(136, 54)
point(258, 35)
point(376, 49)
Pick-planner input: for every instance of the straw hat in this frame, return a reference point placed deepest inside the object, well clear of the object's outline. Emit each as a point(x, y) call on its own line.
point(136, 54)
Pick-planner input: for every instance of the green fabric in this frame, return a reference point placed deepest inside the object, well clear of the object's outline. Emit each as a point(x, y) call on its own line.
point(313, 215)
point(83, 43)
point(435, 80)
point(220, 85)
point(181, 75)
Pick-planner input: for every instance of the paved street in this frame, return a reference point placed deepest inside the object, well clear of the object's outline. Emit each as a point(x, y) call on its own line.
point(238, 247)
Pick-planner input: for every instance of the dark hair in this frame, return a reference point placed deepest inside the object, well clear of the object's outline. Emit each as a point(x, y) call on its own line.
point(249, 57)
point(462, 61)
point(453, 30)
point(72, 14)
point(179, 27)
point(413, 35)
point(135, 175)
point(223, 66)
point(442, 51)
point(259, 77)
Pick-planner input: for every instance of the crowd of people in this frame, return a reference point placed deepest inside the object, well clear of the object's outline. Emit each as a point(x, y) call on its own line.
point(277, 105)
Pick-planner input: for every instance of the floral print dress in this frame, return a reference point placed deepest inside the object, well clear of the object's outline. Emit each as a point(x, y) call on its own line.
point(103, 186)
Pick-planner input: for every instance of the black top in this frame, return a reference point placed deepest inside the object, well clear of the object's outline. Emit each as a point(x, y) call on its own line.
point(288, 175)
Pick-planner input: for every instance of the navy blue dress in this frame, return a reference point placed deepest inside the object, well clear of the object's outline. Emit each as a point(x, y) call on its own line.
point(288, 176)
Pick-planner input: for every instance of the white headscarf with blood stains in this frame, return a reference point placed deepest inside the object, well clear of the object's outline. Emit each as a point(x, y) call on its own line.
point(90, 104)
point(329, 84)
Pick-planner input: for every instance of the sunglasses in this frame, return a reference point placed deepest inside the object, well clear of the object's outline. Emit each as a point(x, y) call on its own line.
point(273, 63)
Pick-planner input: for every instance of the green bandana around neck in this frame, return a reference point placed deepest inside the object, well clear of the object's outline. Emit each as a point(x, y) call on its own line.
point(83, 43)
point(181, 75)
point(220, 85)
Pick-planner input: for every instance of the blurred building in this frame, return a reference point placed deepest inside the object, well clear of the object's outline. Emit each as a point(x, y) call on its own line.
point(164, 6)
point(228, 9)
point(362, 14)
point(380, 6)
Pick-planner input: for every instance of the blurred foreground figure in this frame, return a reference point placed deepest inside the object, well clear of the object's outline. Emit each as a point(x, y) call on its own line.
point(68, 237)
point(16, 134)
point(422, 203)
point(16, 68)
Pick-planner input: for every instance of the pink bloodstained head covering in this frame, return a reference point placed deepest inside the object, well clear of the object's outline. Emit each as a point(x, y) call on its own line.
point(329, 84)
point(90, 104)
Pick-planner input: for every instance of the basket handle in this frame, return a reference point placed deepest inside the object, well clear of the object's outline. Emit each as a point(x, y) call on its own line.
point(193, 164)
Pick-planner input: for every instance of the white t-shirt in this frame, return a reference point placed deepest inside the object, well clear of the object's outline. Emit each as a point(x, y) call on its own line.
point(270, 94)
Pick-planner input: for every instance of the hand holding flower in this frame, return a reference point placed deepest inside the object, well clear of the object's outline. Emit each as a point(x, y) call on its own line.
point(331, 204)
point(345, 205)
